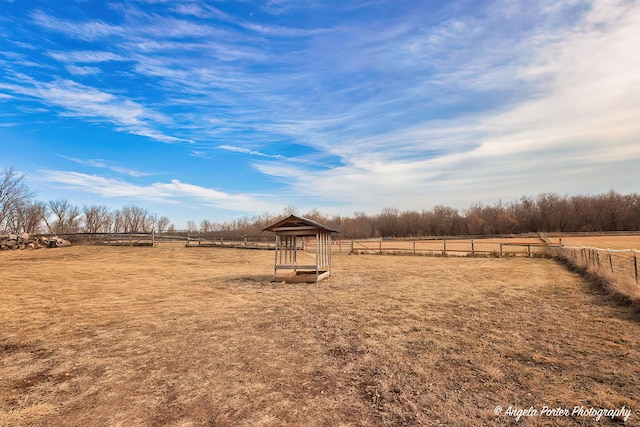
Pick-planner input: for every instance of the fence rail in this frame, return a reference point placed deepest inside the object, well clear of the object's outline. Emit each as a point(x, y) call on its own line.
point(112, 239)
point(529, 247)
point(246, 243)
point(448, 247)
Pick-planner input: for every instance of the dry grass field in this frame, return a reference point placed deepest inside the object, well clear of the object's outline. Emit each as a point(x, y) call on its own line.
point(118, 336)
point(610, 242)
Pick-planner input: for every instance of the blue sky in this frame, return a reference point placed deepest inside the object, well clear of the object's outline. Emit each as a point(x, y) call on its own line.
point(216, 110)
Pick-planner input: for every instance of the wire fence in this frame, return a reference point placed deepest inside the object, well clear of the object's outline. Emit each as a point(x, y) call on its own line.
point(494, 247)
point(621, 263)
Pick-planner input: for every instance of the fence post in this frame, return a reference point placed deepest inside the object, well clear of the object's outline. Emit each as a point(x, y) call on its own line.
point(500, 250)
point(529, 250)
point(351, 251)
point(635, 264)
point(380, 246)
point(444, 247)
point(610, 260)
point(414, 248)
point(153, 237)
point(473, 252)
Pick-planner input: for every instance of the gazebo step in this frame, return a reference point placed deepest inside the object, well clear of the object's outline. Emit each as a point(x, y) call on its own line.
point(295, 267)
point(301, 277)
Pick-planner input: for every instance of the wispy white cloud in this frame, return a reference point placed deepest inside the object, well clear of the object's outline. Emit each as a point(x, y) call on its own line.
point(280, 7)
point(298, 159)
point(86, 56)
point(105, 164)
point(78, 100)
point(172, 192)
point(207, 11)
point(280, 31)
point(197, 10)
point(83, 71)
point(187, 59)
point(89, 31)
point(582, 115)
point(251, 152)
point(199, 154)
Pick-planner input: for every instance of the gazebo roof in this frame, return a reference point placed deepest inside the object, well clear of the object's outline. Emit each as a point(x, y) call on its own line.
point(298, 225)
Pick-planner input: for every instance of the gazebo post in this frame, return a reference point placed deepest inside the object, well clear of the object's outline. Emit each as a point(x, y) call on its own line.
point(294, 248)
point(275, 262)
point(317, 253)
point(329, 239)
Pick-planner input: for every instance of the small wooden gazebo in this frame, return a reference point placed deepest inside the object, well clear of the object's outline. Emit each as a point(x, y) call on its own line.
point(291, 235)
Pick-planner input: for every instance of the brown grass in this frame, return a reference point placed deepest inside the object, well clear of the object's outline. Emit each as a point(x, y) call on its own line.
point(94, 336)
point(606, 241)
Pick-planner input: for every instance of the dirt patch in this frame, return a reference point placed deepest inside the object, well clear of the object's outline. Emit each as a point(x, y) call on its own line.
point(172, 336)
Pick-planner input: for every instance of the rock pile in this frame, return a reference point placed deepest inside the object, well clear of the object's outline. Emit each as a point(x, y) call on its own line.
point(29, 241)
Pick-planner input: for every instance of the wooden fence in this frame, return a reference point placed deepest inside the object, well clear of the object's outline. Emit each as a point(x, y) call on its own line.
point(248, 242)
point(112, 239)
point(498, 247)
point(448, 247)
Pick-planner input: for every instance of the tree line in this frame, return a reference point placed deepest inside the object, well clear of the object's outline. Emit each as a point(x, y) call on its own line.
point(547, 212)
point(544, 213)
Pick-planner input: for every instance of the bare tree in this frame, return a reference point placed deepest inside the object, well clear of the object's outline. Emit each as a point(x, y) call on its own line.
point(191, 226)
point(315, 215)
point(358, 226)
point(206, 226)
point(632, 212)
point(33, 217)
point(13, 193)
point(162, 223)
point(97, 219)
point(387, 222)
point(445, 219)
point(65, 217)
point(527, 214)
point(136, 219)
point(26, 217)
point(117, 224)
point(290, 210)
